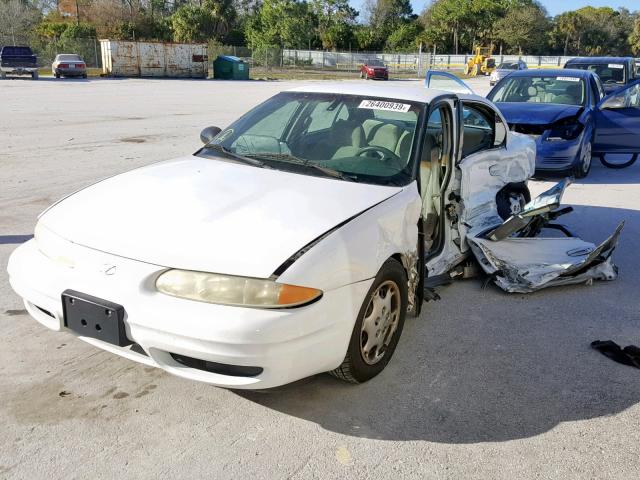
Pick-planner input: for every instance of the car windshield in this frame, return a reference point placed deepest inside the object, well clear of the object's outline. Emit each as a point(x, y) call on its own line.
point(69, 58)
point(608, 72)
point(562, 90)
point(508, 66)
point(374, 63)
point(357, 138)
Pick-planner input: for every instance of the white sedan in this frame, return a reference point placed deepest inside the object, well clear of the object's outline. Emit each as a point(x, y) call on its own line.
point(298, 238)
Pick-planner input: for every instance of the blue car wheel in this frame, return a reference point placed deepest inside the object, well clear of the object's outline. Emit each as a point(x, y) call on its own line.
point(583, 165)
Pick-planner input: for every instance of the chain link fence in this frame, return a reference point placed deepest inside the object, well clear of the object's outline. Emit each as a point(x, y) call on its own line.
point(273, 58)
point(47, 49)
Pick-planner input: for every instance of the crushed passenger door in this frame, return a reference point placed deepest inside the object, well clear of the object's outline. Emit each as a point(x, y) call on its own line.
point(446, 81)
point(518, 260)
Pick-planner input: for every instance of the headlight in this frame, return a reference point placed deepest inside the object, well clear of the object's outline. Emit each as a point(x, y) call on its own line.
point(565, 132)
point(231, 290)
point(53, 246)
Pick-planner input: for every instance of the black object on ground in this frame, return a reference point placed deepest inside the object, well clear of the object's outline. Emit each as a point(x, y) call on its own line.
point(629, 355)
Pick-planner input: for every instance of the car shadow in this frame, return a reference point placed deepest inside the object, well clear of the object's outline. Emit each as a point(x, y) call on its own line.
point(14, 239)
point(481, 365)
point(600, 174)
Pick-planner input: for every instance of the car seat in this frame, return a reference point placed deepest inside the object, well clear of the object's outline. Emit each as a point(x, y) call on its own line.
point(348, 136)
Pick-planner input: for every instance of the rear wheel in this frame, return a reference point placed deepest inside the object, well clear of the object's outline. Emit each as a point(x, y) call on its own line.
point(378, 326)
point(84, 75)
point(57, 75)
point(467, 69)
point(612, 163)
point(475, 71)
point(582, 168)
point(34, 75)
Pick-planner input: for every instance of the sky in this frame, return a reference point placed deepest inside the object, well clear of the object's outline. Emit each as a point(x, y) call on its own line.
point(553, 6)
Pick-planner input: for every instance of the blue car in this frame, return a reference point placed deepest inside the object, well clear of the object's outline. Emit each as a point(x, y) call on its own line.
point(571, 118)
point(615, 72)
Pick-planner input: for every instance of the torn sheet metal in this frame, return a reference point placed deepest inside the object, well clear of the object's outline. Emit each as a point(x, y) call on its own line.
point(527, 264)
point(410, 264)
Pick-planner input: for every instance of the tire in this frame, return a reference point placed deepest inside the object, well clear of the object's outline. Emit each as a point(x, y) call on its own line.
point(510, 201)
point(363, 362)
point(476, 70)
point(617, 166)
point(361, 75)
point(3, 75)
point(57, 75)
point(84, 75)
point(34, 75)
point(583, 167)
point(467, 69)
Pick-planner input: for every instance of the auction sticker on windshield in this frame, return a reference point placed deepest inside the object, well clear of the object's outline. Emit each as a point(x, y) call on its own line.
point(382, 105)
point(616, 65)
point(568, 79)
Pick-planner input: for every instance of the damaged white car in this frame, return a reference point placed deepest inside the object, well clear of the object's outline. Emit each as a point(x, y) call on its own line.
point(298, 238)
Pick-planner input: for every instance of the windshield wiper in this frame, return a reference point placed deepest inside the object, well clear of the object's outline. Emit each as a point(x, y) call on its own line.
point(287, 157)
point(245, 159)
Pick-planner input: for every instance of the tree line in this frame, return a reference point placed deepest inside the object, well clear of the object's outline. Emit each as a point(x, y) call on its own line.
point(446, 26)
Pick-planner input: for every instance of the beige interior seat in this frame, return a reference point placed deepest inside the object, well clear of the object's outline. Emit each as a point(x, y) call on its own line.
point(349, 134)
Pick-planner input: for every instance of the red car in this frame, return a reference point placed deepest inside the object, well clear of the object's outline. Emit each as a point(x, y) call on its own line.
point(374, 69)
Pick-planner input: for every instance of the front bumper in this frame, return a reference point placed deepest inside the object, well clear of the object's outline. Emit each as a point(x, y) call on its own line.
point(378, 75)
point(557, 156)
point(286, 344)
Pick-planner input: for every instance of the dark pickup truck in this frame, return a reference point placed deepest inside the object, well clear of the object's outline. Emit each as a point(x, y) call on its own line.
point(18, 61)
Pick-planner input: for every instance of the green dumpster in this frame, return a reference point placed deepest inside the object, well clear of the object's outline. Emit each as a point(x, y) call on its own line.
point(228, 67)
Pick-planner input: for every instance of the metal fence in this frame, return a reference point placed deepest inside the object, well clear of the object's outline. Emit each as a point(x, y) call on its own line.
point(399, 63)
point(275, 58)
point(47, 49)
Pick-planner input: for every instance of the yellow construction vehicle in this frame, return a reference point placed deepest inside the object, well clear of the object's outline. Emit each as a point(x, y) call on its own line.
point(481, 62)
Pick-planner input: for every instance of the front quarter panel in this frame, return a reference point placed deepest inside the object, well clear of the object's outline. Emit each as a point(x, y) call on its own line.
point(357, 250)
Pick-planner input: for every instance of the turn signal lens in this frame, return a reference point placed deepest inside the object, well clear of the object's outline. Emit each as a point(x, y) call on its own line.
point(231, 290)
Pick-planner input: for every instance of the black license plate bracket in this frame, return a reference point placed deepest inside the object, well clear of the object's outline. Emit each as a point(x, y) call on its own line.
point(94, 317)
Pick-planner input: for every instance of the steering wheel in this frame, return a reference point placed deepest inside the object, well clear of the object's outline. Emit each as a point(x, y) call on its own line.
point(384, 154)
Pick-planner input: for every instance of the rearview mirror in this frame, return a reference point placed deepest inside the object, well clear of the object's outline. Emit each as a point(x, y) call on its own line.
point(209, 134)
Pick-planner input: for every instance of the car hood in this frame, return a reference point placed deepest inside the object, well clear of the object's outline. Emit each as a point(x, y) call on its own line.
point(209, 215)
point(536, 113)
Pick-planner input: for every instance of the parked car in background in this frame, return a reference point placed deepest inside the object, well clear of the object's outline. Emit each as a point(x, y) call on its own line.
point(615, 72)
point(571, 119)
point(374, 70)
point(69, 65)
point(17, 60)
point(504, 69)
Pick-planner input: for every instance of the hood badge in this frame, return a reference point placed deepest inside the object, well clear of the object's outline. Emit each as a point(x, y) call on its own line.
point(108, 269)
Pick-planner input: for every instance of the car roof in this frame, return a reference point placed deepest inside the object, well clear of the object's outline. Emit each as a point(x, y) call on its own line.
point(553, 72)
point(589, 60)
point(411, 94)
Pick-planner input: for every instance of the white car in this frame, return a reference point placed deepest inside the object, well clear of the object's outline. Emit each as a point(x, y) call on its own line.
point(297, 239)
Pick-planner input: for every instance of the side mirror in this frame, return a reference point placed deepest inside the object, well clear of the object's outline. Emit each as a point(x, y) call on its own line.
point(209, 134)
point(613, 102)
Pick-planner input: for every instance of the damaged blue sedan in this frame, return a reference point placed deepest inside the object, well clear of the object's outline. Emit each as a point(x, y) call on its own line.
point(571, 119)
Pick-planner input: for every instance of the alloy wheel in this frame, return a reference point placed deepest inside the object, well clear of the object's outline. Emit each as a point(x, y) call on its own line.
point(380, 322)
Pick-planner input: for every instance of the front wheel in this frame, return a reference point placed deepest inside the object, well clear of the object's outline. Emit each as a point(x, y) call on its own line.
point(618, 165)
point(511, 201)
point(582, 168)
point(378, 326)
